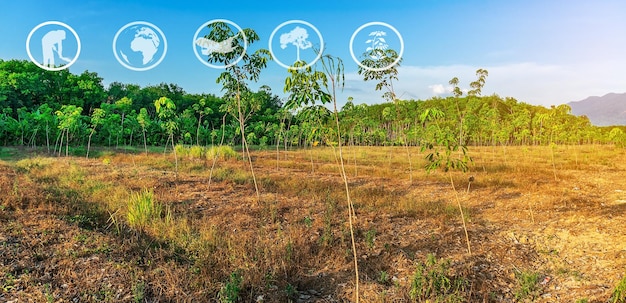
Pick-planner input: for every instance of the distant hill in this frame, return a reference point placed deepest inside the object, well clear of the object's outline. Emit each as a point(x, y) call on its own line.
point(607, 110)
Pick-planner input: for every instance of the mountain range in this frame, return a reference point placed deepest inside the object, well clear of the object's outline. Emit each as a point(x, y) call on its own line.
point(607, 110)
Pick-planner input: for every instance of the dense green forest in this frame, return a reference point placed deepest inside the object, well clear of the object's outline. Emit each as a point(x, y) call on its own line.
point(55, 109)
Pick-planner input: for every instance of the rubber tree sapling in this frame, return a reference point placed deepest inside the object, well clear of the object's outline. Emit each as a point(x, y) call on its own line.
point(237, 73)
point(202, 109)
point(308, 86)
point(69, 117)
point(450, 142)
point(166, 110)
point(97, 118)
point(123, 106)
point(144, 121)
point(382, 65)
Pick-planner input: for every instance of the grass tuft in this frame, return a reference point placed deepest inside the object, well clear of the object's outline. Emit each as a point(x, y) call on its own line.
point(432, 281)
point(619, 294)
point(230, 291)
point(528, 285)
point(222, 152)
point(143, 209)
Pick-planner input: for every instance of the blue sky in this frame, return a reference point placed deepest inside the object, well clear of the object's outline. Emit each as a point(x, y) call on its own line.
point(539, 52)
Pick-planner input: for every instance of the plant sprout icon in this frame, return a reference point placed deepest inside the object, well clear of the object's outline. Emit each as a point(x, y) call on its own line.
point(298, 37)
point(378, 45)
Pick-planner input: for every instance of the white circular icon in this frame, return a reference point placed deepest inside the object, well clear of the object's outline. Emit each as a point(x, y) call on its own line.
point(51, 44)
point(208, 46)
point(362, 27)
point(142, 46)
point(297, 37)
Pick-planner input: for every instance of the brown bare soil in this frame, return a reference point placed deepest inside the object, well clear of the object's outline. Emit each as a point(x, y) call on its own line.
point(557, 213)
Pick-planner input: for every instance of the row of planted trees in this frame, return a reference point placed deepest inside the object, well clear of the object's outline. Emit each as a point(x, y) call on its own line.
point(488, 120)
point(127, 115)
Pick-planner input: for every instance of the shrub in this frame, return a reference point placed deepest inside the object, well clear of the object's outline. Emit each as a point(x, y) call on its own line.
point(181, 150)
point(223, 152)
point(196, 152)
point(26, 165)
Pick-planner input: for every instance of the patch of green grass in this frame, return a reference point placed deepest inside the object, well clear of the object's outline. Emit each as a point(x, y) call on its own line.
point(181, 150)
point(528, 285)
point(292, 292)
point(432, 281)
point(370, 236)
point(48, 293)
point(383, 278)
point(196, 152)
point(7, 282)
point(28, 164)
point(139, 292)
point(230, 291)
point(9, 153)
point(237, 176)
point(104, 294)
point(81, 151)
point(308, 221)
point(619, 294)
point(143, 209)
point(223, 152)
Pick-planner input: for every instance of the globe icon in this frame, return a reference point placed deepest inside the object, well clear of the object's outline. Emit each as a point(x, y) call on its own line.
point(139, 46)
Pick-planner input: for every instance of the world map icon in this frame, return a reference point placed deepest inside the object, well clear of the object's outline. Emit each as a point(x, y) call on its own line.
point(139, 46)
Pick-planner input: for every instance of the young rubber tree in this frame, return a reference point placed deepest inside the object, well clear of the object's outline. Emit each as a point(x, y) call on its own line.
point(144, 121)
point(69, 117)
point(307, 86)
point(44, 116)
point(202, 109)
point(166, 110)
point(240, 69)
point(382, 66)
point(123, 106)
point(447, 151)
point(97, 118)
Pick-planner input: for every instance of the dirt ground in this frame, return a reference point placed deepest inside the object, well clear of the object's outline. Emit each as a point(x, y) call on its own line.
point(560, 218)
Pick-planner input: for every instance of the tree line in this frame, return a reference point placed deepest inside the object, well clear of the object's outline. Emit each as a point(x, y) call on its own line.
point(55, 108)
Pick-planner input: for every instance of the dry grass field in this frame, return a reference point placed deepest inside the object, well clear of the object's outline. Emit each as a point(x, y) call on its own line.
point(545, 224)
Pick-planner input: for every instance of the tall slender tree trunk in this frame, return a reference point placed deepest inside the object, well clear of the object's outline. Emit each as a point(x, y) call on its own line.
point(198, 131)
point(175, 155)
point(89, 143)
point(131, 137)
point(145, 146)
point(47, 138)
point(67, 141)
point(61, 142)
point(458, 201)
point(351, 212)
point(121, 133)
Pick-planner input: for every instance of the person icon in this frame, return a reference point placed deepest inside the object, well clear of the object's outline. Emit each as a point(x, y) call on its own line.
point(53, 42)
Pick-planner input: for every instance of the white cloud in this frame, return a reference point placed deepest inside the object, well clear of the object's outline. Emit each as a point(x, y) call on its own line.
point(440, 89)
